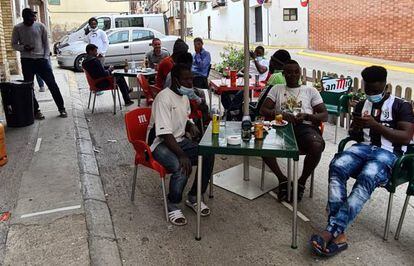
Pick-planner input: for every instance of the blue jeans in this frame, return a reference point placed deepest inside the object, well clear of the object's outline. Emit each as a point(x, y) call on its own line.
point(178, 180)
point(371, 166)
point(42, 67)
point(40, 81)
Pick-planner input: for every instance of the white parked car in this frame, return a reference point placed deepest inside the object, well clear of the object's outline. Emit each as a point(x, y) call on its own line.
point(129, 44)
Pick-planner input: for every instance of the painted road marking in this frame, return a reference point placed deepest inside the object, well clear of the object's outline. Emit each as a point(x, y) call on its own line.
point(287, 205)
point(38, 142)
point(51, 211)
point(357, 62)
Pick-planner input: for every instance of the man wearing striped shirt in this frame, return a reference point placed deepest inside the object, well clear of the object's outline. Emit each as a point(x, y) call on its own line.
point(383, 125)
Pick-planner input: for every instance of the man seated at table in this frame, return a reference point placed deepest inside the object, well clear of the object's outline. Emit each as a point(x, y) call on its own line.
point(201, 65)
point(384, 125)
point(176, 153)
point(302, 106)
point(157, 54)
point(96, 70)
point(165, 66)
point(258, 64)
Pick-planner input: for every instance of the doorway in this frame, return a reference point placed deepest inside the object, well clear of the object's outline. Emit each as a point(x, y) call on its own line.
point(209, 27)
point(258, 23)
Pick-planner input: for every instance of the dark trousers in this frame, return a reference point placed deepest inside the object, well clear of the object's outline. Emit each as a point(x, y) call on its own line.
point(122, 85)
point(43, 69)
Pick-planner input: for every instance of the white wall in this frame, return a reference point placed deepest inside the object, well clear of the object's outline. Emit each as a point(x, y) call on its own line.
point(227, 23)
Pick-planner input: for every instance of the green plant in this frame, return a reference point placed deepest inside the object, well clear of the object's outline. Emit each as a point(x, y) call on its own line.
point(232, 58)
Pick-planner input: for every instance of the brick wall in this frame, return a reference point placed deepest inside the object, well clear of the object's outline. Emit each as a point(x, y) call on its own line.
point(376, 28)
point(7, 17)
point(4, 64)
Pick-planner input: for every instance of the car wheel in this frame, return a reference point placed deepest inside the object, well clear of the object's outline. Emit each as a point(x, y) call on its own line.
point(78, 62)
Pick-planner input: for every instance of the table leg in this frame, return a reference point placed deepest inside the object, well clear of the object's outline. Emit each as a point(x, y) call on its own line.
point(199, 171)
point(210, 95)
point(246, 168)
point(139, 94)
point(289, 176)
point(295, 205)
point(219, 104)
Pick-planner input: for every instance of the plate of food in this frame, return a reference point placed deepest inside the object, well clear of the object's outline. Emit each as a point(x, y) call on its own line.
point(279, 122)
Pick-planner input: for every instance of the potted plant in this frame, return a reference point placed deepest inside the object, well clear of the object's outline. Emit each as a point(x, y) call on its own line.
point(231, 59)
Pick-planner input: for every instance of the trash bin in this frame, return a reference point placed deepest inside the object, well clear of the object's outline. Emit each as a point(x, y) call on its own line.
point(18, 103)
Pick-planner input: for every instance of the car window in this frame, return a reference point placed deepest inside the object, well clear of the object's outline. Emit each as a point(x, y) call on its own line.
point(142, 35)
point(129, 22)
point(119, 37)
point(104, 23)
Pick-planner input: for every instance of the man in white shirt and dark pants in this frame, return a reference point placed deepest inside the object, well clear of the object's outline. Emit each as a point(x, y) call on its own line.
point(172, 149)
point(99, 38)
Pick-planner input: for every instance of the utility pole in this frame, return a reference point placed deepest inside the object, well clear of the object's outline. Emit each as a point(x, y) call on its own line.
point(182, 20)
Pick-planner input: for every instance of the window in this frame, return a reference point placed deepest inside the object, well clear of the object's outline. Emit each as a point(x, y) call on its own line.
point(142, 35)
point(104, 23)
point(290, 14)
point(129, 22)
point(119, 37)
point(54, 2)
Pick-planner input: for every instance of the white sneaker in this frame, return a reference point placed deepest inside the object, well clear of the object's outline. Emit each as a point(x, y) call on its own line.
point(42, 89)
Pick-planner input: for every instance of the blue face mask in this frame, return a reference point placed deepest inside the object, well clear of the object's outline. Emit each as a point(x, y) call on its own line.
point(189, 92)
point(375, 98)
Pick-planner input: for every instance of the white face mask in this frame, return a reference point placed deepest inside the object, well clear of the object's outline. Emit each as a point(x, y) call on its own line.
point(185, 91)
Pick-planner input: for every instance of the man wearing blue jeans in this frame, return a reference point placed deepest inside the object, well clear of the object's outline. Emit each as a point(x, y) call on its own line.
point(30, 39)
point(383, 125)
point(172, 149)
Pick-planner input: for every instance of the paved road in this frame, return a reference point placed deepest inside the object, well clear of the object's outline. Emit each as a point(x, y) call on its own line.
point(239, 232)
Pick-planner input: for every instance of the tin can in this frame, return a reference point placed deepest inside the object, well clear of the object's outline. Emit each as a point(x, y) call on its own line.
point(258, 130)
point(216, 124)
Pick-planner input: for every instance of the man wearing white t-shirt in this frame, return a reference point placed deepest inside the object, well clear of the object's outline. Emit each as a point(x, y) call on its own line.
point(169, 120)
point(302, 106)
point(99, 38)
point(258, 65)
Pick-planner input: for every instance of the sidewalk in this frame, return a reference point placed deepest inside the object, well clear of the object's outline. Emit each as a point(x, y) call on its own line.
point(58, 210)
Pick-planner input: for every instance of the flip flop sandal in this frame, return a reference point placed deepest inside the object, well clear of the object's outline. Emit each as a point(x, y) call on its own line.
point(177, 218)
point(301, 191)
point(317, 240)
point(205, 210)
point(332, 249)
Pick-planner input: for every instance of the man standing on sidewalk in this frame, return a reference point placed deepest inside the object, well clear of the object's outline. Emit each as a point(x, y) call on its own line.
point(99, 38)
point(30, 39)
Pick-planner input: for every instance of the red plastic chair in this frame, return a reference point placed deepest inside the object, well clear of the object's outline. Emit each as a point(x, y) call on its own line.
point(136, 122)
point(146, 88)
point(94, 89)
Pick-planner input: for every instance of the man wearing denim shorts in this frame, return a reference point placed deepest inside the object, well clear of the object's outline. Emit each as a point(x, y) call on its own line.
point(383, 125)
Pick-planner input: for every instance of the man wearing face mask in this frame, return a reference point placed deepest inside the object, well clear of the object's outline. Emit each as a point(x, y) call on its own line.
point(99, 38)
point(30, 39)
point(383, 124)
point(169, 122)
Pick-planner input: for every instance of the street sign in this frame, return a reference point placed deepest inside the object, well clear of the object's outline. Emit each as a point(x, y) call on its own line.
point(336, 85)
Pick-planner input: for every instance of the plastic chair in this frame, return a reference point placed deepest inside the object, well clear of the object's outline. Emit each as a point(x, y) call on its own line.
point(94, 89)
point(145, 86)
point(402, 172)
point(336, 103)
point(136, 122)
point(410, 192)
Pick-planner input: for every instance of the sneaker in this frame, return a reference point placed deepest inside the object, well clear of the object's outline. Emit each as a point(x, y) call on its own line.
point(63, 114)
point(42, 89)
point(99, 93)
point(39, 116)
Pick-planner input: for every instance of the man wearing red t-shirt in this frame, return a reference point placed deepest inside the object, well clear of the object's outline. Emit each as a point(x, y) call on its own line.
point(165, 66)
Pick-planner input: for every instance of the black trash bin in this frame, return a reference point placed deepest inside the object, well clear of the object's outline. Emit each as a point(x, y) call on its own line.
point(18, 103)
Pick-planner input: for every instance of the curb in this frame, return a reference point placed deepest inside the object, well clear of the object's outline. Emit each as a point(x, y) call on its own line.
point(103, 247)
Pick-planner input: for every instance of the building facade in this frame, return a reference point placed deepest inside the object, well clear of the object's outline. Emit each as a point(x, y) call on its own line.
point(381, 29)
point(67, 15)
point(277, 22)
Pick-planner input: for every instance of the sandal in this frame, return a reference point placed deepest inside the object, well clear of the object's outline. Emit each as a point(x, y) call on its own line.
point(318, 244)
point(301, 191)
point(177, 218)
point(282, 191)
point(205, 210)
point(332, 249)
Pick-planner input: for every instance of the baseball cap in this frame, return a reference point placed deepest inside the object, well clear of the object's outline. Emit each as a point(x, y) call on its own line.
point(27, 12)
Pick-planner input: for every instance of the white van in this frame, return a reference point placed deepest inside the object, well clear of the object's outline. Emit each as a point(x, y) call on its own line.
point(157, 22)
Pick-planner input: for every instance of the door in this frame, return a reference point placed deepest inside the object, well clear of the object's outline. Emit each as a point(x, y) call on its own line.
point(209, 27)
point(119, 48)
point(258, 24)
point(141, 44)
